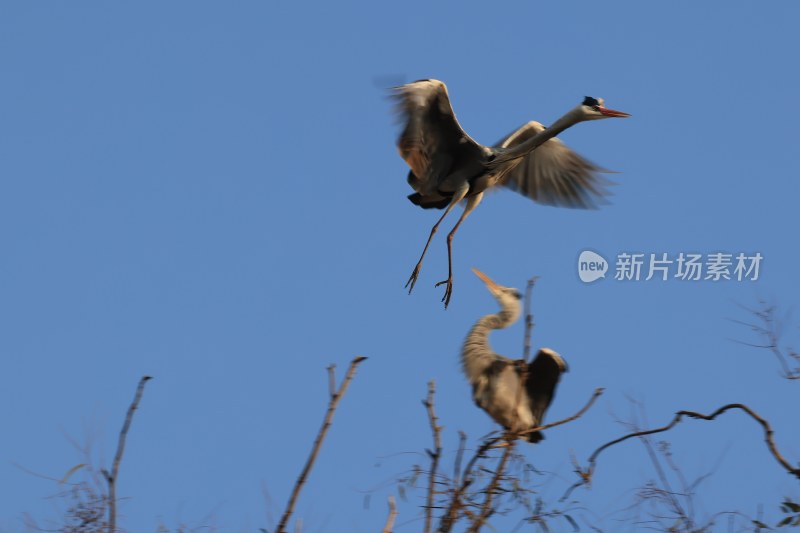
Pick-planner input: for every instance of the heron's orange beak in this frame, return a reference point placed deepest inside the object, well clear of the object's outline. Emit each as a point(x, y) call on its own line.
point(486, 279)
point(611, 112)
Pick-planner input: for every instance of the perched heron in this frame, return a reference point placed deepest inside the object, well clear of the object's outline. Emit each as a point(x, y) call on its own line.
point(516, 394)
point(448, 166)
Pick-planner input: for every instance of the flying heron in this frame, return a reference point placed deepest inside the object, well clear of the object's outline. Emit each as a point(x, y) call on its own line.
point(515, 393)
point(447, 165)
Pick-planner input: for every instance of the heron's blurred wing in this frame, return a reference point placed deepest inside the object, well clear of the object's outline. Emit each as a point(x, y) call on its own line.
point(552, 174)
point(544, 373)
point(432, 142)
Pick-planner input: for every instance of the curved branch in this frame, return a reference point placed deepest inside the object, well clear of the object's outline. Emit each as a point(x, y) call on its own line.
point(586, 474)
point(595, 395)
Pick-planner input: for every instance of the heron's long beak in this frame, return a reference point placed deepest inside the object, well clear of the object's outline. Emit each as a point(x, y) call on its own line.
point(611, 112)
point(486, 279)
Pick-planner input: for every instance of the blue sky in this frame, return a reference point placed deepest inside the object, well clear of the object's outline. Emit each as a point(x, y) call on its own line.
point(210, 194)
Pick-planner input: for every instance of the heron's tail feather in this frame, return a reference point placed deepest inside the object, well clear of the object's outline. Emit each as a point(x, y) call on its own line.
point(427, 202)
point(534, 437)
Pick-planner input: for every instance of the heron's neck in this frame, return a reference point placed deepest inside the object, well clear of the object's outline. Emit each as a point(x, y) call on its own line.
point(477, 354)
point(526, 147)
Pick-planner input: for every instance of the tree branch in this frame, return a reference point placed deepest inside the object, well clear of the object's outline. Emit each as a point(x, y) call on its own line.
point(462, 442)
point(392, 516)
point(326, 424)
point(450, 516)
point(111, 478)
point(595, 395)
point(771, 331)
point(526, 346)
point(586, 474)
point(436, 429)
point(486, 508)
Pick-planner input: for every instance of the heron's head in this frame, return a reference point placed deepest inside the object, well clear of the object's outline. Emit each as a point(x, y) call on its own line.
point(508, 297)
point(594, 108)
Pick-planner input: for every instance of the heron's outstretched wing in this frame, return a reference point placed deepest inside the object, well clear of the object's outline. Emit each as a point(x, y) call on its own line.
point(544, 373)
point(432, 143)
point(553, 174)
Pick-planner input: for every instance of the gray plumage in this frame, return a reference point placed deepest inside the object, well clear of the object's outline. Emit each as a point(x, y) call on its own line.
point(514, 393)
point(447, 165)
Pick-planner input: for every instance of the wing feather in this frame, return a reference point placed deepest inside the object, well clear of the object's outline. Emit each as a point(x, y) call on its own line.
point(432, 142)
point(553, 174)
point(544, 373)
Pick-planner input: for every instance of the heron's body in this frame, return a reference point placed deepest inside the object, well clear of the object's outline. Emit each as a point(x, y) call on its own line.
point(447, 165)
point(514, 393)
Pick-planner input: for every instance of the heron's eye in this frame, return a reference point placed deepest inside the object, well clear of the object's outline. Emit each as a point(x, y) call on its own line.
point(517, 295)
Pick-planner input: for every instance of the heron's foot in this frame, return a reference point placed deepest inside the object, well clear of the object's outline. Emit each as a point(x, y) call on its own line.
point(413, 279)
point(448, 291)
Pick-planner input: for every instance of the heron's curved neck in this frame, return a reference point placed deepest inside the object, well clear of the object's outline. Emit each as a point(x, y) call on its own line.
point(526, 147)
point(507, 316)
point(477, 354)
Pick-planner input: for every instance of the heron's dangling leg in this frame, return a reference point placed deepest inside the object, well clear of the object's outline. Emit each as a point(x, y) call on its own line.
point(457, 197)
point(472, 203)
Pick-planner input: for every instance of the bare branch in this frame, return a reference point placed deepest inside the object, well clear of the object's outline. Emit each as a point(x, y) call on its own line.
point(326, 424)
point(450, 516)
point(487, 509)
point(586, 474)
point(332, 380)
point(526, 347)
point(771, 330)
point(666, 493)
point(123, 434)
point(462, 442)
point(392, 516)
point(436, 429)
point(595, 395)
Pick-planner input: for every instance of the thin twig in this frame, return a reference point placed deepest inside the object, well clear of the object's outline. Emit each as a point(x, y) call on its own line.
point(462, 442)
point(392, 516)
point(436, 429)
point(526, 350)
point(586, 474)
point(771, 331)
point(111, 478)
point(332, 380)
point(326, 424)
point(487, 509)
point(595, 395)
point(526, 346)
point(686, 491)
point(450, 517)
point(666, 492)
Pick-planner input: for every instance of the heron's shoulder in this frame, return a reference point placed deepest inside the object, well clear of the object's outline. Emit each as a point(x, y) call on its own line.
point(553, 355)
point(421, 92)
point(429, 83)
point(499, 364)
